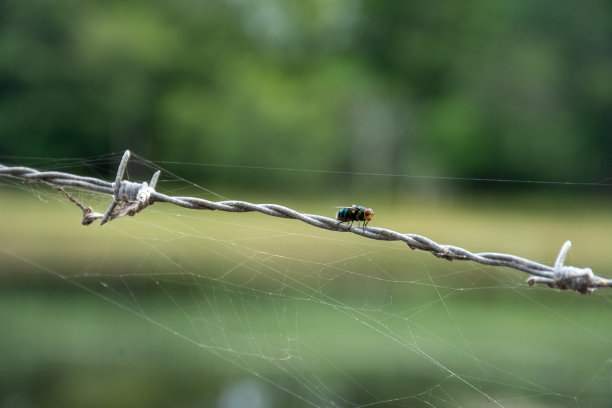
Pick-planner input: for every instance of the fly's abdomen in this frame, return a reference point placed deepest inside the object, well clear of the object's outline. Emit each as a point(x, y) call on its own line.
point(345, 215)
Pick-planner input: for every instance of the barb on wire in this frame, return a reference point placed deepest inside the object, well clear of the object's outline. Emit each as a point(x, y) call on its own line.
point(129, 198)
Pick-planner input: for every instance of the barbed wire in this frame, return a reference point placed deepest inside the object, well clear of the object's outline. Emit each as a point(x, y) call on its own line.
point(130, 198)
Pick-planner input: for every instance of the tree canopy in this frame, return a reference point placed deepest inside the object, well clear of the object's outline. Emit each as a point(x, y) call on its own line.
point(479, 88)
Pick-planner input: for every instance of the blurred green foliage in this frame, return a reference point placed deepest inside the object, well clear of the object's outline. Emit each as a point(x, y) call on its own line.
point(479, 88)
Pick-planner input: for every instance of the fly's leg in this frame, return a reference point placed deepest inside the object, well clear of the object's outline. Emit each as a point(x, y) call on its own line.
point(347, 223)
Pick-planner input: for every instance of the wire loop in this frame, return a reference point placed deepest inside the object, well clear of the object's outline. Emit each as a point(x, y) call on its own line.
point(581, 280)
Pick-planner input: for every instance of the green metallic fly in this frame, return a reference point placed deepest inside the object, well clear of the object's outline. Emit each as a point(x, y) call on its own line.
point(355, 213)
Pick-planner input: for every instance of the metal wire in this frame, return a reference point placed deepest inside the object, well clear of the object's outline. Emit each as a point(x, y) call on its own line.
point(130, 198)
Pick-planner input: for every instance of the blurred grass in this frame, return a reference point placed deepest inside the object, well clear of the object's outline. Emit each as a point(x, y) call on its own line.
point(66, 347)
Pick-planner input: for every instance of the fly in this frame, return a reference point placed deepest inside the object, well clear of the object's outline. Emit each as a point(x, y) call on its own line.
point(355, 213)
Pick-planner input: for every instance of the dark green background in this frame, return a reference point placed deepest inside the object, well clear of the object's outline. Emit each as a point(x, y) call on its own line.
point(478, 88)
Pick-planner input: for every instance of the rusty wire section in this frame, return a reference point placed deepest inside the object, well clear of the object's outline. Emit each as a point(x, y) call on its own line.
point(129, 198)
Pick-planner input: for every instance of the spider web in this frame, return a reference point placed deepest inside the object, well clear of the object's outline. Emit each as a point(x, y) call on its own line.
point(272, 312)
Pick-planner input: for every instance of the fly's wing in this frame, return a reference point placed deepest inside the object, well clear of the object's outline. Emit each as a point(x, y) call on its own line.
point(352, 208)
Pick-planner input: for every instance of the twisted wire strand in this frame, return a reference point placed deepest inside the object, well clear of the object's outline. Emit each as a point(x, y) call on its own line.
point(130, 198)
